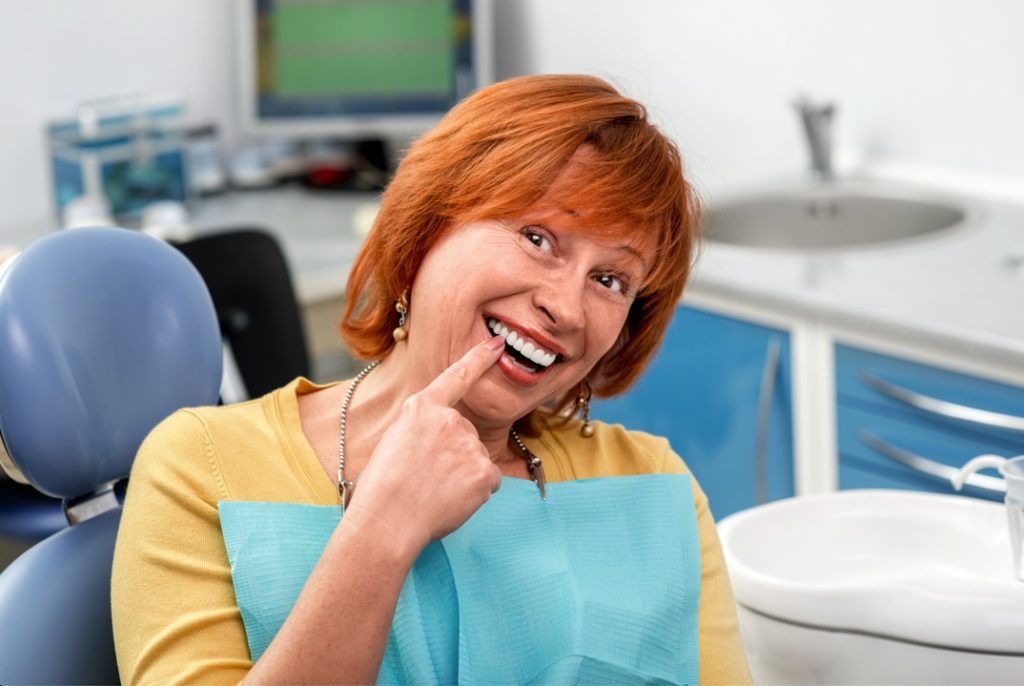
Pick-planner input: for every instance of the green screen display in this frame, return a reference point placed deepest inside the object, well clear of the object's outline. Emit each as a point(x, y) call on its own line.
point(362, 47)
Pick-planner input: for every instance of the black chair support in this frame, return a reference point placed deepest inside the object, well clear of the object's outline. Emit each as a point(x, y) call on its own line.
point(248, 278)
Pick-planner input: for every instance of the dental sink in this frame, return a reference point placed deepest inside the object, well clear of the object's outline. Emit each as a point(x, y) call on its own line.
point(829, 215)
point(877, 587)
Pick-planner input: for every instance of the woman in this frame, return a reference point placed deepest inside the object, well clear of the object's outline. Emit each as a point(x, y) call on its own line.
point(530, 251)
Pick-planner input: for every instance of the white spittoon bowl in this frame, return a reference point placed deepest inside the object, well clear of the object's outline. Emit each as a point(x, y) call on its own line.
point(877, 587)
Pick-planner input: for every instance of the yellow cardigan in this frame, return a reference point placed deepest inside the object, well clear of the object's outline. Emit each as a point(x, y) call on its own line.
point(173, 602)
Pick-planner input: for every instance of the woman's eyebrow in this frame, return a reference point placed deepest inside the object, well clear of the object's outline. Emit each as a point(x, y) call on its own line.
point(634, 252)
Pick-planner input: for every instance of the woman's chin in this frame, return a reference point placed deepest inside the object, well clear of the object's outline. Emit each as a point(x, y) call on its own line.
point(495, 401)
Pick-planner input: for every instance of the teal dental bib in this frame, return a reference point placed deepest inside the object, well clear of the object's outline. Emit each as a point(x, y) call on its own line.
point(598, 584)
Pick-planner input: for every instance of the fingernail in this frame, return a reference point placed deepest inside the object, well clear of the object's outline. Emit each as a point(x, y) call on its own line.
point(495, 342)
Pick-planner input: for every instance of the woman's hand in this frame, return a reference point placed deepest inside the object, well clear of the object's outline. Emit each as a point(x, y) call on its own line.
point(429, 473)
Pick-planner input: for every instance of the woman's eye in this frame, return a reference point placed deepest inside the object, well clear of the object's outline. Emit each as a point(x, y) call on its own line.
point(538, 239)
point(612, 283)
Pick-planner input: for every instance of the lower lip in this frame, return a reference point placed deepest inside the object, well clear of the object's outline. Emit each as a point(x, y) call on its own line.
point(518, 375)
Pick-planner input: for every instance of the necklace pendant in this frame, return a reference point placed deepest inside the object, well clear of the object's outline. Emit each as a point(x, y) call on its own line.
point(533, 463)
point(537, 471)
point(345, 489)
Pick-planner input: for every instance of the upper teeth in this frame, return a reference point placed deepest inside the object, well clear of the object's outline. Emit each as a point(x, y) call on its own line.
point(522, 345)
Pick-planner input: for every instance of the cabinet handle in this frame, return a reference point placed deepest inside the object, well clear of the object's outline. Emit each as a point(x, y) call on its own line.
point(930, 468)
point(764, 414)
point(944, 408)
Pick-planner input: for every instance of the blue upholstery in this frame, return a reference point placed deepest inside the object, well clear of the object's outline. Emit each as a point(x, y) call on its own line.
point(55, 608)
point(103, 333)
point(26, 515)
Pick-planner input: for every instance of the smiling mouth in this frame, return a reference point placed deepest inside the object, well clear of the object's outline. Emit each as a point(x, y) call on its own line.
point(521, 349)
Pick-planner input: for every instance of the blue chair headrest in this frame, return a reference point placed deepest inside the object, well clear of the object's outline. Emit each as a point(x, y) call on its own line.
point(103, 333)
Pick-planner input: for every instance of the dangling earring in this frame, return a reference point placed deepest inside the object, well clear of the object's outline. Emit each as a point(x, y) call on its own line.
point(402, 307)
point(583, 401)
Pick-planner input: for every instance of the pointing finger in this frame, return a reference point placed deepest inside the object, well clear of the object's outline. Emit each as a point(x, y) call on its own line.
point(453, 383)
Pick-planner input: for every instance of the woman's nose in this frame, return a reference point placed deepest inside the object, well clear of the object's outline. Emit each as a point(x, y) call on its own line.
point(560, 300)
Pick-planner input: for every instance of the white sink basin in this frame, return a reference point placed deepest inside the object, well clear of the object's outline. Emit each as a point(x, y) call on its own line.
point(928, 573)
point(829, 216)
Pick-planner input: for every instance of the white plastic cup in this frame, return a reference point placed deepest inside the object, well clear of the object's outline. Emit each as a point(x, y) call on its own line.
point(167, 220)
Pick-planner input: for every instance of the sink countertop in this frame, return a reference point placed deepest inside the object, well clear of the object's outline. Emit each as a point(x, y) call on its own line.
point(962, 289)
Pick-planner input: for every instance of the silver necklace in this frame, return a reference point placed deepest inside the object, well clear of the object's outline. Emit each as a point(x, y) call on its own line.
point(345, 488)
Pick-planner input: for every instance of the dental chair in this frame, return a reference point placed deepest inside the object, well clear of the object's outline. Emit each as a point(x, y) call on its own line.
point(103, 333)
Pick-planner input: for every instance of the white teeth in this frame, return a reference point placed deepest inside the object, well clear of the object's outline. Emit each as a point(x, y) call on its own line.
point(530, 351)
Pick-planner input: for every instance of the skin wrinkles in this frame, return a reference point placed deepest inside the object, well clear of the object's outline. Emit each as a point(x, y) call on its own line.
point(631, 265)
point(550, 288)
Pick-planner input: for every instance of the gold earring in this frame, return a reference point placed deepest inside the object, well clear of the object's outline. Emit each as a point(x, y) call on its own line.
point(402, 307)
point(583, 401)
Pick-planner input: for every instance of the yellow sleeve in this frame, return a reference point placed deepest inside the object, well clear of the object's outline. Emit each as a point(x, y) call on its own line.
point(172, 600)
point(722, 660)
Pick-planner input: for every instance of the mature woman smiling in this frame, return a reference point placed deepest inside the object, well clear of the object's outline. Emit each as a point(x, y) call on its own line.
point(451, 514)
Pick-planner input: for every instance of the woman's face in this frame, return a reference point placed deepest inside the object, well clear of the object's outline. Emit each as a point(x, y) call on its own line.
point(556, 288)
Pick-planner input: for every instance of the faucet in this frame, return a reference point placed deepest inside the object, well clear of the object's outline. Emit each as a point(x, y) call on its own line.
point(817, 123)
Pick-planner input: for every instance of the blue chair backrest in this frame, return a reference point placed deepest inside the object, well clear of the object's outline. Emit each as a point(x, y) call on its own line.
point(103, 333)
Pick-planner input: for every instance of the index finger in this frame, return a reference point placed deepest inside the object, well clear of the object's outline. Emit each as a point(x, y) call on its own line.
point(453, 383)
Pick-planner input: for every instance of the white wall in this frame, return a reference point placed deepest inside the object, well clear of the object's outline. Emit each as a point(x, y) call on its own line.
point(938, 83)
point(55, 53)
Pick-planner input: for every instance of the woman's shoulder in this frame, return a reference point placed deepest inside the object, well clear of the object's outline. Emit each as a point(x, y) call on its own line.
point(612, 450)
point(209, 422)
point(229, 442)
point(253, 419)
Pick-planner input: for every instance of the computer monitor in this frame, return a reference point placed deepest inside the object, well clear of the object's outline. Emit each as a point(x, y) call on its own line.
point(356, 69)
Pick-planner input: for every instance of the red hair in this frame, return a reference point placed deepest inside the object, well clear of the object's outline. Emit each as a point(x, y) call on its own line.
point(496, 155)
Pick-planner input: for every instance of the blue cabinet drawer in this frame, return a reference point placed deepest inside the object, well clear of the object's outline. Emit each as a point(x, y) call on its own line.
point(890, 412)
point(865, 435)
point(871, 380)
